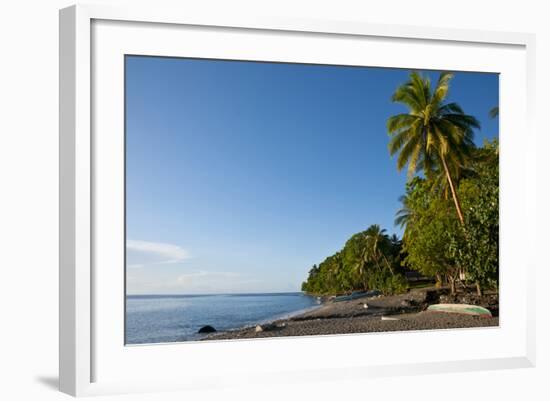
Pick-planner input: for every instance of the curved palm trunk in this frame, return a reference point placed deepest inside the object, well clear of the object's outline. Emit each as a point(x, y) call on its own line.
point(458, 211)
point(388, 264)
point(453, 191)
point(460, 216)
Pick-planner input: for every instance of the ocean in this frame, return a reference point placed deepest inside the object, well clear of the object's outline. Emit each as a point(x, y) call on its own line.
point(170, 318)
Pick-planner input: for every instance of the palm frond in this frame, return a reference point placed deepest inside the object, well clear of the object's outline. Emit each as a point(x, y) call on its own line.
point(397, 140)
point(451, 108)
point(403, 215)
point(431, 131)
point(421, 88)
point(400, 121)
point(442, 88)
point(406, 150)
point(414, 159)
point(405, 94)
point(462, 120)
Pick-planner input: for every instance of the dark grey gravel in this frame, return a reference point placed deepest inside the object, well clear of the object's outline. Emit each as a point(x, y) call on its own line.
point(352, 317)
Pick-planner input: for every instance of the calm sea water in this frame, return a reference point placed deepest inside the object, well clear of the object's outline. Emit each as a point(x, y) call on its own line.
point(167, 318)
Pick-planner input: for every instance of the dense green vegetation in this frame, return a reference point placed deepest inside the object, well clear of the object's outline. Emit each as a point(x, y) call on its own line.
point(369, 259)
point(449, 211)
point(437, 244)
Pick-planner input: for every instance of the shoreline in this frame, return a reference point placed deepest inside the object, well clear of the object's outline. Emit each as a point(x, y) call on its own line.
point(283, 317)
point(402, 312)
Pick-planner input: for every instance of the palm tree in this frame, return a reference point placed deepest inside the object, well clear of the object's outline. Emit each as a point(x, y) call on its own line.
point(360, 268)
point(403, 215)
point(395, 241)
point(377, 239)
point(433, 134)
point(373, 244)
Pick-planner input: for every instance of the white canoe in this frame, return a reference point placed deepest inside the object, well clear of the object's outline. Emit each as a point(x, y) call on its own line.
point(473, 310)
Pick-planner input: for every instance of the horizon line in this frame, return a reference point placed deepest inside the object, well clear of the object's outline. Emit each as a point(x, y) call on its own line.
point(217, 293)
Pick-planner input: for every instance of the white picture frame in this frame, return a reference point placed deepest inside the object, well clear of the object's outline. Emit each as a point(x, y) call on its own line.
point(84, 340)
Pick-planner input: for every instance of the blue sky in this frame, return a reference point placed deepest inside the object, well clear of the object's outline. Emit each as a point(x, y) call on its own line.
point(241, 175)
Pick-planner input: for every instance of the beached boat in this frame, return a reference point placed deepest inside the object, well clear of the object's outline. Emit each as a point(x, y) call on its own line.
point(464, 309)
point(356, 295)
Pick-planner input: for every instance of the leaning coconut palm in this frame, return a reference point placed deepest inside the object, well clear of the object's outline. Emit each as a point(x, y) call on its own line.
point(440, 182)
point(432, 135)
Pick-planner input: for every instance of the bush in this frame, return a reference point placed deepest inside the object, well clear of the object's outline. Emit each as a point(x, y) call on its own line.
point(387, 283)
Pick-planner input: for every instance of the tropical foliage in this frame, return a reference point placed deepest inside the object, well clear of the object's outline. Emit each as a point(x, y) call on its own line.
point(437, 137)
point(434, 136)
point(437, 245)
point(480, 193)
point(369, 260)
point(449, 213)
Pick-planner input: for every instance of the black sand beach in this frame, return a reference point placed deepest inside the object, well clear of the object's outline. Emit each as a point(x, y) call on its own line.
point(381, 314)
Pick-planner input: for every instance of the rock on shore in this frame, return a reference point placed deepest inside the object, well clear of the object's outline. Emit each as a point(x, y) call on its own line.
point(207, 329)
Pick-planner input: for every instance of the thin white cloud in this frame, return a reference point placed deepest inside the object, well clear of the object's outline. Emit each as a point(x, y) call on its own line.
point(146, 281)
point(145, 253)
point(187, 277)
point(203, 281)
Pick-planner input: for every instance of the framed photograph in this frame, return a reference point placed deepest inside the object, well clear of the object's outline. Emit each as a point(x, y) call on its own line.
point(269, 200)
